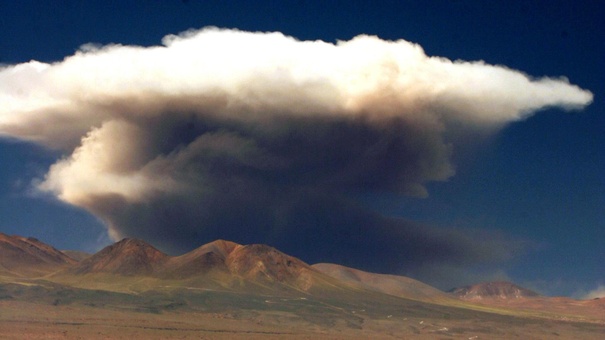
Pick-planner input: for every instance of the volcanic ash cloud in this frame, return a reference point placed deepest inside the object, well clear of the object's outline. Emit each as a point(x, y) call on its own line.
point(231, 134)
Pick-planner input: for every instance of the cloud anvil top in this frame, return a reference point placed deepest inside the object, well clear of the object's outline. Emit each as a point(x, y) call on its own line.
point(267, 72)
point(222, 133)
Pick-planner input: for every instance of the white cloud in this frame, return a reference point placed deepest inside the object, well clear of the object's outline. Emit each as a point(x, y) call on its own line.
point(263, 72)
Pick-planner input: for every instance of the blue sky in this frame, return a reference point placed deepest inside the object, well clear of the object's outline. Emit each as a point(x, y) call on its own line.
point(537, 183)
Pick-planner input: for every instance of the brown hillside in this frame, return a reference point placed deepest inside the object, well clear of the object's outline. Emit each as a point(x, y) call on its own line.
point(26, 257)
point(201, 261)
point(390, 284)
point(127, 257)
point(262, 263)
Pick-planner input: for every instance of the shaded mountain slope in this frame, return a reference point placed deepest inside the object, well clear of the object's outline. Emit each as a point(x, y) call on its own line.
point(270, 268)
point(76, 254)
point(389, 284)
point(259, 262)
point(27, 257)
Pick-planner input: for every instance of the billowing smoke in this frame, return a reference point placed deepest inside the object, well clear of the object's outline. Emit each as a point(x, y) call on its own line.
point(259, 137)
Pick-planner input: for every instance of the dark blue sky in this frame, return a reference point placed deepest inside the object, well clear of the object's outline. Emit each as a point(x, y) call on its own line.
point(540, 180)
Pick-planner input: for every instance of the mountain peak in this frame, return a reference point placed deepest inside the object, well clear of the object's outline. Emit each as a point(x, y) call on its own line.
point(259, 261)
point(127, 257)
point(493, 290)
point(209, 257)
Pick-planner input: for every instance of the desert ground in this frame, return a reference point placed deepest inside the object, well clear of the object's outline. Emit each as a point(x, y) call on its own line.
point(31, 312)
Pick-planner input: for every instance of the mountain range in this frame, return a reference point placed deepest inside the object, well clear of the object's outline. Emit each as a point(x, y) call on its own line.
point(224, 274)
point(217, 265)
point(229, 265)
